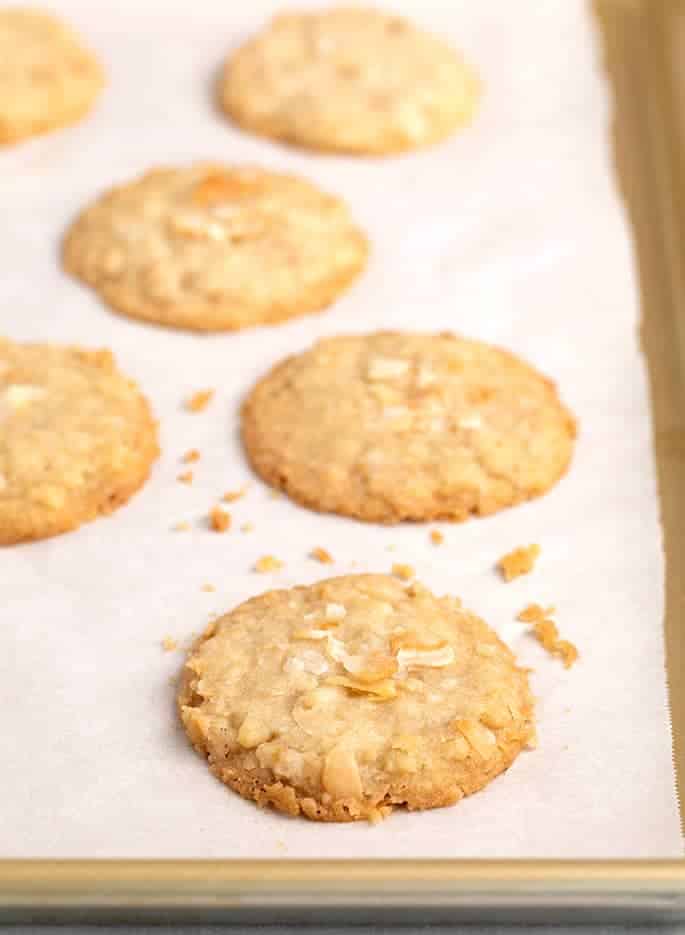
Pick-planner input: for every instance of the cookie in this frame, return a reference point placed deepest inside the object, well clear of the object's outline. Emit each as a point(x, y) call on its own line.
point(349, 80)
point(47, 78)
point(344, 699)
point(76, 439)
point(390, 426)
point(211, 248)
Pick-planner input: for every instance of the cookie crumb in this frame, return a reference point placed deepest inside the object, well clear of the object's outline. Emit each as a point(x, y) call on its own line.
point(219, 519)
point(321, 555)
point(169, 644)
point(275, 494)
point(547, 634)
point(186, 477)
point(519, 562)
point(247, 527)
point(390, 548)
point(199, 401)
point(208, 587)
point(534, 613)
point(232, 495)
point(437, 537)
point(181, 527)
point(191, 455)
point(405, 572)
point(268, 563)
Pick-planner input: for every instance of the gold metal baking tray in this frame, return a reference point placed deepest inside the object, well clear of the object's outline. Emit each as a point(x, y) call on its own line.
point(644, 43)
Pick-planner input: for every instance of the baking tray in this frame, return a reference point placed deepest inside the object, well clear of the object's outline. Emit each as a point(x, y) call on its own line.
point(644, 43)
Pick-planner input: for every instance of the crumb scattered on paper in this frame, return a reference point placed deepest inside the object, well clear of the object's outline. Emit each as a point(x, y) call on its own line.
point(181, 527)
point(547, 634)
point(275, 494)
point(192, 455)
point(199, 401)
point(267, 563)
point(405, 572)
point(186, 477)
point(247, 527)
point(321, 555)
point(390, 548)
point(534, 613)
point(219, 519)
point(169, 644)
point(437, 537)
point(519, 562)
point(208, 587)
point(232, 495)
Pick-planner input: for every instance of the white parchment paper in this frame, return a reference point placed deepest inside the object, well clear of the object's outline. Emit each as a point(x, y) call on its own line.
point(511, 232)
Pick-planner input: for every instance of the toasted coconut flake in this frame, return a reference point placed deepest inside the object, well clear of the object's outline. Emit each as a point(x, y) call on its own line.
point(433, 658)
point(335, 612)
point(340, 776)
point(383, 690)
point(412, 641)
point(310, 634)
point(372, 668)
point(481, 738)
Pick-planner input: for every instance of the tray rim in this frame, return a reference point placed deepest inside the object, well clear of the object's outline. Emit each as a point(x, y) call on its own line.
point(54, 889)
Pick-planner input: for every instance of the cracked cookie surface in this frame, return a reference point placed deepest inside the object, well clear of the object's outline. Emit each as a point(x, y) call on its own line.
point(350, 80)
point(77, 439)
point(212, 248)
point(47, 78)
point(341, 700)
point(397, 426)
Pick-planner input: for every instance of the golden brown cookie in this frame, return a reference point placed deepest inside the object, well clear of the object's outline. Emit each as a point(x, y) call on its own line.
point(341, 700)
point(393, 426)
point(76, 439)
point(351, 80)
point(47, 78)
point(213, 249)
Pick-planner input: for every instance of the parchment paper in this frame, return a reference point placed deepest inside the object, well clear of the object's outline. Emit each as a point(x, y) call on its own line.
point(511, 232)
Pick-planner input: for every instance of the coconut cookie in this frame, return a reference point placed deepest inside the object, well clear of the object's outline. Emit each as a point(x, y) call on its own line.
point(341, 700)
point(391, 426)
point(47, 78)
point(76, 439)
point(212, 248)
point(351, 80)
